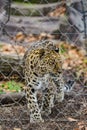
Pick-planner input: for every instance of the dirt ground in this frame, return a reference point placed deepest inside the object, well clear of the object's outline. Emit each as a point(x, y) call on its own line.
point(71, 114)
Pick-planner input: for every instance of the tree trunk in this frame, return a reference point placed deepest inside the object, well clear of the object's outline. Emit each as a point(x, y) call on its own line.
point(11, 66)
point(84, 5)
point(10, 98)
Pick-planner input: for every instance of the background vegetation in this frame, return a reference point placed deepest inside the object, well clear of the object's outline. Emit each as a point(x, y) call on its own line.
point(37, 1)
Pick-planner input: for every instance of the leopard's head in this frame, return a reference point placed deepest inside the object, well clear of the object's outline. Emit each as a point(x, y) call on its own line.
point(51, 60)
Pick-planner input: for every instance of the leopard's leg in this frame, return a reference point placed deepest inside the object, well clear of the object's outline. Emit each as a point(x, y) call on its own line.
point(48, 100)
point(35, 115)
point(59, 82)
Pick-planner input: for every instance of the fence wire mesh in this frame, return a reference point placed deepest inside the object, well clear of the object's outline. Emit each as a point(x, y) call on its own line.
point(28, 21)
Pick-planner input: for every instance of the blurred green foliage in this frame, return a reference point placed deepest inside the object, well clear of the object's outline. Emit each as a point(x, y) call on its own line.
point(37, 1)
point(10, 86)
point(63, 49)
point(1, 91)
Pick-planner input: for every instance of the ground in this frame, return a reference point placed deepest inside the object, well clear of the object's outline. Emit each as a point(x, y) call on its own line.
point(71, 114)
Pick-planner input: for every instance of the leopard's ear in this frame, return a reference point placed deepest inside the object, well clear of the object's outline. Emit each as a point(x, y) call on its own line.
point(41, 53)
point(57, 50)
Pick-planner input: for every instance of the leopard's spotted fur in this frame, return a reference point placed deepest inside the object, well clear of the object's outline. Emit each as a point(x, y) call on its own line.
point(42, 67)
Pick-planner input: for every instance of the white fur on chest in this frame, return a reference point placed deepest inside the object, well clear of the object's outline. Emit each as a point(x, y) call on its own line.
point(43, 82)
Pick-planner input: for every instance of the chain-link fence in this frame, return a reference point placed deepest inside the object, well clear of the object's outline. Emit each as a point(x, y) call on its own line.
point(25, 22)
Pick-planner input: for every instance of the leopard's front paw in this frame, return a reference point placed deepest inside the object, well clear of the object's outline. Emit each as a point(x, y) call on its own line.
point(46, 111)
point(36, 119)
point(60, 97)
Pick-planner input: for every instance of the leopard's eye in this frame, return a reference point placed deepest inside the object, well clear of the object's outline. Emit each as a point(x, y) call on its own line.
point(57, 50)
point(51, 62)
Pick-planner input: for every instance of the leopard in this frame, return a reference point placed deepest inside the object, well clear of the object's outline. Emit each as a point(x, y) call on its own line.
point(43, 72)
